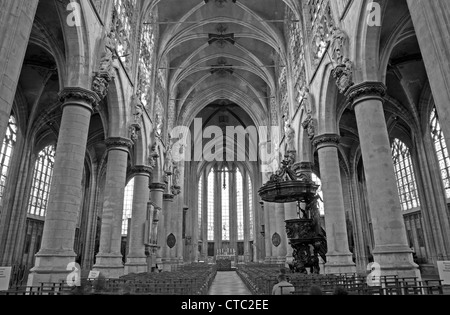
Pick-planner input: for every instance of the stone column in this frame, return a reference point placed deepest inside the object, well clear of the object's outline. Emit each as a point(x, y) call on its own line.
point(168, 254)
point(267, 236)
point(430, 19)
point(65, 193)
point(157, 193)
point(391, 246)
point(136, 258)
point(339, 257)
point(16, 22)
point(109, 260)
point(280, 251)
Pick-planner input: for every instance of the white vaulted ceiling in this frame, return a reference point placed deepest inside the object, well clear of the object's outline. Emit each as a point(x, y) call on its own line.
point(248, 56)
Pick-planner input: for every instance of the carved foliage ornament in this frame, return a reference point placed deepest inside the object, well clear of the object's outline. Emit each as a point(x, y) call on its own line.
point(118, 144)
point(326, 140)
point(142, 169)
point(79, 94)
point(366, 89)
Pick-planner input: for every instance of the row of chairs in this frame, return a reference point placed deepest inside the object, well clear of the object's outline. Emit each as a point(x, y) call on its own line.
point(188, 280)
point(261, 279)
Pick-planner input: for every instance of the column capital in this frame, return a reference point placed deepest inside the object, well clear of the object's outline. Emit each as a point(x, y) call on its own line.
point(80, 96)
point(118, 143)
point(364, 91)
point(326, 140)
point(142, 170)
point(158, 186)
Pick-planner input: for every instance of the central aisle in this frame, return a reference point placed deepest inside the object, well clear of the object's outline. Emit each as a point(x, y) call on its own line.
point(228, 283)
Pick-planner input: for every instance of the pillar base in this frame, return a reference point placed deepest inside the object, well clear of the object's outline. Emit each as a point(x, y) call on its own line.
point(340, 263)
point(268, 260)
point(110, 265)
point(279, 260)
point(136, 265)
point(51, 267)
point(396, 260)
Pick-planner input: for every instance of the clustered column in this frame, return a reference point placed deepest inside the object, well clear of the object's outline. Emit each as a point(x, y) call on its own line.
point(339, 258)
point(157, 192)
point(136, 258)
point(168, 253)
point(391, 246)
point(65, 193)
point(110, 259)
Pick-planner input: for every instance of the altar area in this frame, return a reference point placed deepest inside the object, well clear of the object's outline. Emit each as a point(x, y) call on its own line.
point(226, 259)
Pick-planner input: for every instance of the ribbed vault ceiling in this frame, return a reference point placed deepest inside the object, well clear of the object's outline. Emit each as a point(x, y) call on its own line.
point(234, 47)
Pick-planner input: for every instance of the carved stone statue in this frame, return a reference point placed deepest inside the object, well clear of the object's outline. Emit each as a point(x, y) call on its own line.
point(108, 57)
point(338, 40)
point(138, 108)
point(106, 71)
point(309, 125)
point(290, 136)
point(176, 177)
point(100, 86)
point(168, 162)
point(153, 156)
point(159, 124)
point(344, 75)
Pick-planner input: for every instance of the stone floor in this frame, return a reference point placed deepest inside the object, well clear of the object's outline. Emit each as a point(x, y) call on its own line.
point(228, 283)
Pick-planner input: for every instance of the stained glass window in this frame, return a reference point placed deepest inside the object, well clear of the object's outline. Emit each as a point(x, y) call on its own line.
point(441, 150)
point(240, 205)
point(127, 206)
point(226, 205)
point(250, 208)
point(42, 177)
point(146, 59)
point(406, 180)
point(211, 178)
point(124, 18)
point(6, 153)
point(200, 204)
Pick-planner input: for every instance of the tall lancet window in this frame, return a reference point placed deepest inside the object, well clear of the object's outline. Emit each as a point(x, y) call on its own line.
point(42, 177)
point(127, 206)
point(441, 150)
point(6, 153)
point(240, 205)
point(250, 208)
point(211, 221)
point(226, 205)
point(200, 204)
point(124, 19)
point(406, 180)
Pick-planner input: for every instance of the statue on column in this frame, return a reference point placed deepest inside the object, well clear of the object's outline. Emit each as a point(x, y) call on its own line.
point(153, 156)
point(290, 136)
point(309, 125)
point(138, 108)
point(106, 71)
